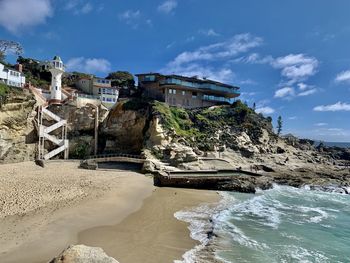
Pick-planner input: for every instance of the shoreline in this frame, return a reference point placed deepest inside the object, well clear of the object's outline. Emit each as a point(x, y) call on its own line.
point(152, 233)
point(79, 202)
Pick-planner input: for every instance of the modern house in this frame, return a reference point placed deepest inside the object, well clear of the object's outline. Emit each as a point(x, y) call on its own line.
point(101, 88)
point(12, 77)
point(187, 92)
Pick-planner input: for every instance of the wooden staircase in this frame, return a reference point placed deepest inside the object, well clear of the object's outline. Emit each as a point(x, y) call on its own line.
point(44, 134)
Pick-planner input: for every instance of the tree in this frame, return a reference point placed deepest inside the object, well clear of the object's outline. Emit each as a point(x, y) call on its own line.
point(279, 125)
point(7, 45)
point(122, 78)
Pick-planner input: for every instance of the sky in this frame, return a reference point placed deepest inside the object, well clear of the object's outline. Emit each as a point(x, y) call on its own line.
point(290, 58)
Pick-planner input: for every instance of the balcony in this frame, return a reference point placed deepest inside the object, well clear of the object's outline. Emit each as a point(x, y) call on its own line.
point(202, 86)
point(217, 99)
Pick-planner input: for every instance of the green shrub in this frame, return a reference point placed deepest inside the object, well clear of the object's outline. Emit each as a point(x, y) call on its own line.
point(4, 89)
point(81, 151)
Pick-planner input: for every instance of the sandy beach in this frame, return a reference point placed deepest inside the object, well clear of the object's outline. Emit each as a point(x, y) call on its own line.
point(43, 210)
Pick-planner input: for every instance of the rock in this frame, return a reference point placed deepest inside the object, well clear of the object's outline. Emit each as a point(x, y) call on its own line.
point(280, 150)
point(125, 130)
point(148, 167)
point(88, 164)
point(83, 254)
point(40, 163)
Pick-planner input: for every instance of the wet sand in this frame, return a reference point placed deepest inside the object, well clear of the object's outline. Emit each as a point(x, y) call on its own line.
point(42, 211)
point(152, 234)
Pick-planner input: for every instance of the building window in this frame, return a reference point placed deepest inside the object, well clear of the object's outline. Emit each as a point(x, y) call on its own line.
point(170, 91)
point(150, 78)
point(194, 95)
point(174, 91)
point(183, 93)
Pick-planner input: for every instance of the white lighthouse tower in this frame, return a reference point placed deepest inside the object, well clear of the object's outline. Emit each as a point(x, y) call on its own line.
point(57, 69)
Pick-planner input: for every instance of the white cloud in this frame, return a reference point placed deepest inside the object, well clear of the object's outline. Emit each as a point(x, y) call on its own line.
point(302, 86)
point(80, 7)
point(307, 92)
point(168, 6)
point(343, 77)
point(320, 124)
point(130, 15)
point(293, 118)
point(199, 61)
point(222, 50)
point(16, 15)
point(265, 110)
point(89, 65)
point(285, 92)
point(87, 8)
point(220, 74)
point(255, 58)
point(134, 18)
point(296, 67)
point(210, 33)
point(339, 106)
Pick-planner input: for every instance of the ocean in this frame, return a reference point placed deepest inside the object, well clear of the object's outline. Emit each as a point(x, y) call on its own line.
point(283, 224)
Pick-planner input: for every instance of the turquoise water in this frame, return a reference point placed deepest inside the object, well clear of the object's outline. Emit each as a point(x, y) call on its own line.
point(283, 224)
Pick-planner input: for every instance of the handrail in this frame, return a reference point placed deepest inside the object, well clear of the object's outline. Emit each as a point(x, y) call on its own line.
point(100, 156)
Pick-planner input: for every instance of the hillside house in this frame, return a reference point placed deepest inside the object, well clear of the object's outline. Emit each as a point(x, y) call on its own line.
point(12, 77)
point(101, 88)
point(187, 92)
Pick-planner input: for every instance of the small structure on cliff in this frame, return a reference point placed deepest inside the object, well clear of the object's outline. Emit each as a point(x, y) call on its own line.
point(56, 67)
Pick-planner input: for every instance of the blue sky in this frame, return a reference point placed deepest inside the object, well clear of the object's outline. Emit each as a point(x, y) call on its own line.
point(289, 57)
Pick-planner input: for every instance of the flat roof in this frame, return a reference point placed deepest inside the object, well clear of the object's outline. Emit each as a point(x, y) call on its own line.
point(191, 79)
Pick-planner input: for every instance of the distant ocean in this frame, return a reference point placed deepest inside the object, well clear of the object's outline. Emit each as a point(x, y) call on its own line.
point(334, 144)
point(283, 224)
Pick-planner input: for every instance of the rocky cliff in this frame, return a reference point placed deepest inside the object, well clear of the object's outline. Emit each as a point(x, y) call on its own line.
point(17, 131)
point(222, 137)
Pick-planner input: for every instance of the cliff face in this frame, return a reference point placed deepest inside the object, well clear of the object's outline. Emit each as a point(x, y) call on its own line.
point(81, 127)
point(124, 129)
point(17, 132)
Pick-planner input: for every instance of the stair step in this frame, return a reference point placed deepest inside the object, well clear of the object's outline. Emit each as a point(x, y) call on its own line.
point(54, 126)
point(51, 114)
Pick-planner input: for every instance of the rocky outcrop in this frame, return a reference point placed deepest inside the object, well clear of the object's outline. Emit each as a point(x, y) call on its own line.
point(83, 254)
point(81, 127)
point(17, 132)
point(124, 129)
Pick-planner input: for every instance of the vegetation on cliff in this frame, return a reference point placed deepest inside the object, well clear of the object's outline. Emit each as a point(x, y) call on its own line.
point(209, 127)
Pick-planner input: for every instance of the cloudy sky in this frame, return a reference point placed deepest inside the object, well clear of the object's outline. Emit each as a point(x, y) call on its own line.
point(291, 58)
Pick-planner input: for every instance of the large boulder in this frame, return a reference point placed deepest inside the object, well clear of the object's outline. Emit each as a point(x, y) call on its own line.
point(83, 254)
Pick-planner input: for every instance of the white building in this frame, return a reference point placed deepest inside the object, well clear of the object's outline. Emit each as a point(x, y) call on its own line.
point(11, 77)
point(101, 88)
point(56, 68)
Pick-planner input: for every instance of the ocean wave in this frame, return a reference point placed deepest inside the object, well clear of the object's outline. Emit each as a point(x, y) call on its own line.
point(274, 225)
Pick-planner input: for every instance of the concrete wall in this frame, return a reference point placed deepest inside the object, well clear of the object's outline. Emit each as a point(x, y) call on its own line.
point(85, 85)
point(81, 102)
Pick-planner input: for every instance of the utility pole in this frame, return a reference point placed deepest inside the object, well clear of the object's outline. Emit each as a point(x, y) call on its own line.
point(96, 129)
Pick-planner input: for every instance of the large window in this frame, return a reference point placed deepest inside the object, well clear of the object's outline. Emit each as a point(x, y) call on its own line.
point(150, 78)
point(194, 95)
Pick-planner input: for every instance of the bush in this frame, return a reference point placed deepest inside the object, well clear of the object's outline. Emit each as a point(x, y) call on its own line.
point(4, 89)
point(81, 151)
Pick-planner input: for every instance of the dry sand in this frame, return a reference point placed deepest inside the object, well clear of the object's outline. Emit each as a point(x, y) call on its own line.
point(42, 211)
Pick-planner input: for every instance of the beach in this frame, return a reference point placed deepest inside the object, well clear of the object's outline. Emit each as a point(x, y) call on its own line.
point(43, 210)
